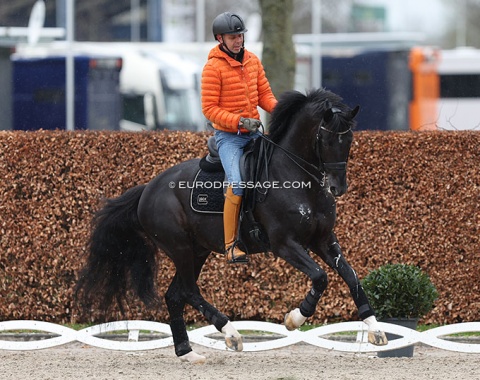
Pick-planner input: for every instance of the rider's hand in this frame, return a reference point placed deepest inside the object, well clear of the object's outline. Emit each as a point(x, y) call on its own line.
point(250, 124)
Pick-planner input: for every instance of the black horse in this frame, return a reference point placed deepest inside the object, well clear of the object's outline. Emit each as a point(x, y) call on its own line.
point(310, 137)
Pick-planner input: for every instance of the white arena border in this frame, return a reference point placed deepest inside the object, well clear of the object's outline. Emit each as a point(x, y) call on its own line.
point(208, 336)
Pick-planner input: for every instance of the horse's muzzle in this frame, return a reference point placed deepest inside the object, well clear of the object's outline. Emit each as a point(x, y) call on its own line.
point(337, 183)
point(338, 191)
point(336, 177)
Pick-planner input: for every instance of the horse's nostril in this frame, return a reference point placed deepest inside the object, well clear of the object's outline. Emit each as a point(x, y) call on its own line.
point(336, 191)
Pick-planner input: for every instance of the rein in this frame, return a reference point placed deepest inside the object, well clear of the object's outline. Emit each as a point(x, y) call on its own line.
point(323, 165)
point(295, 158)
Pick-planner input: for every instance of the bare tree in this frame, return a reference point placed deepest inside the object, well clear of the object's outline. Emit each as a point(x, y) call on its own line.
point(464, 28)
point(278, 55)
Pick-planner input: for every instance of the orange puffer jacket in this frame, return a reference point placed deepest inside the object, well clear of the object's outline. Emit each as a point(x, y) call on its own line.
point(231, 89)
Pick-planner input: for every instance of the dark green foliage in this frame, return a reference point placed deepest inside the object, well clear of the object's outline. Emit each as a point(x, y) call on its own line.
point(400, 291)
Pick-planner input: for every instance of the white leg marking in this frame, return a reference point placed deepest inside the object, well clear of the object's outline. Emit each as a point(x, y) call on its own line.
point(233, 339)
point(375, 335)
point(294, 319)
point(193, 357)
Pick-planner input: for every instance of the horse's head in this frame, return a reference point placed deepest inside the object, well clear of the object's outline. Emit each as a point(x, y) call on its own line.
point(333, 140)
point(329, 123)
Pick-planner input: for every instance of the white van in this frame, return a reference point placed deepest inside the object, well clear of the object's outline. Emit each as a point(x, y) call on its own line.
point(459, 101)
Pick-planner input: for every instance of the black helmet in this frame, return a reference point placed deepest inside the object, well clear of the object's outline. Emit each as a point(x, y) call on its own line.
point(228, 23)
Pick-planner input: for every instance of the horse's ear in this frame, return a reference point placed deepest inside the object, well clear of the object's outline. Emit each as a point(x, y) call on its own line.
point(327, 116)
point(354, 112)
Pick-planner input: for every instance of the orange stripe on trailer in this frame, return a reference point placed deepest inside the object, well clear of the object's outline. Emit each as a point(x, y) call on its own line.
point(425, 88)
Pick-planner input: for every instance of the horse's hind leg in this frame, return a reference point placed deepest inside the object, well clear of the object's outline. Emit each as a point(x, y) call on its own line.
point(176, 305)
point(331, 253)
point(184, 289)
point(233, 339)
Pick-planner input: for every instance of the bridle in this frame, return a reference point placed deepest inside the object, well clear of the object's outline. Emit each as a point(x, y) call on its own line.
point(322, 166)
point(337, 133)
point(330, 166)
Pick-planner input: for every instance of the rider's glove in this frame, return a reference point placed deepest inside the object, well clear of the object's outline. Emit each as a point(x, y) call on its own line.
point(250, 124)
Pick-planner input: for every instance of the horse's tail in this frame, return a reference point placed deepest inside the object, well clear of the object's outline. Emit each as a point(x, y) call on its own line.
point(120, 256)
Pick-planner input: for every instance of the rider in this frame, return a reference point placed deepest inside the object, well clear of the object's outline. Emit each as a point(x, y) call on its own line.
point(233, 85)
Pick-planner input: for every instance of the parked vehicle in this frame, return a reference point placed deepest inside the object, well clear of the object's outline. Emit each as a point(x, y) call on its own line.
point(5, 88)
point(38, 92)
point(159, 89)
point(396, 88)
point(459, 100)
point(399, 84)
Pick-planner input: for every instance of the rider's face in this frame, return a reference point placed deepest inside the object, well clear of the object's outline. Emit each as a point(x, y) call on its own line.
point(234, 42)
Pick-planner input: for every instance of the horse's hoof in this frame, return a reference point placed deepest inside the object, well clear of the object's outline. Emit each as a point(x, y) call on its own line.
point(234, 343)
point(294, 320)
point(288, 321)
point(377, 338)
point(193, 358)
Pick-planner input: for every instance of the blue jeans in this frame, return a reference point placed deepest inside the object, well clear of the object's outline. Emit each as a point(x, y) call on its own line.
point(230, 149)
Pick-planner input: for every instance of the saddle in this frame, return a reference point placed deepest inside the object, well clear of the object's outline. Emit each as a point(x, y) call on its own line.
point(209, 184)
point(211, 162)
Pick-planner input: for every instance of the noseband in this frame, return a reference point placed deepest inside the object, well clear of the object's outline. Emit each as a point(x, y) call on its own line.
point(330, 166)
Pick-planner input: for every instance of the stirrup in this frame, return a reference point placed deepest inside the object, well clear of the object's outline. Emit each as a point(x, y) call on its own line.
point(232, 259)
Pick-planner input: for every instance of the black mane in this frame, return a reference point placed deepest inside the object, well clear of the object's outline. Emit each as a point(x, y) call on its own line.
point(316, 102)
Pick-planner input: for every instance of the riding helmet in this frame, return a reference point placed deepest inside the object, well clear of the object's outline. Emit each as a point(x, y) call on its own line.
point(228, 23)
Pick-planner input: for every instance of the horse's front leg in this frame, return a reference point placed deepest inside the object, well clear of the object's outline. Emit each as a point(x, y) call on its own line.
point(331, 253)
point(299, 258)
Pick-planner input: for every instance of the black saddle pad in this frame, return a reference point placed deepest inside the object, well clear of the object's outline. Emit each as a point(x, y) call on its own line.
point(207, 192)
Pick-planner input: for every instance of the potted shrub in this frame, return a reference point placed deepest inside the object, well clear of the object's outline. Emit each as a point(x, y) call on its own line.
point(400, 294)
